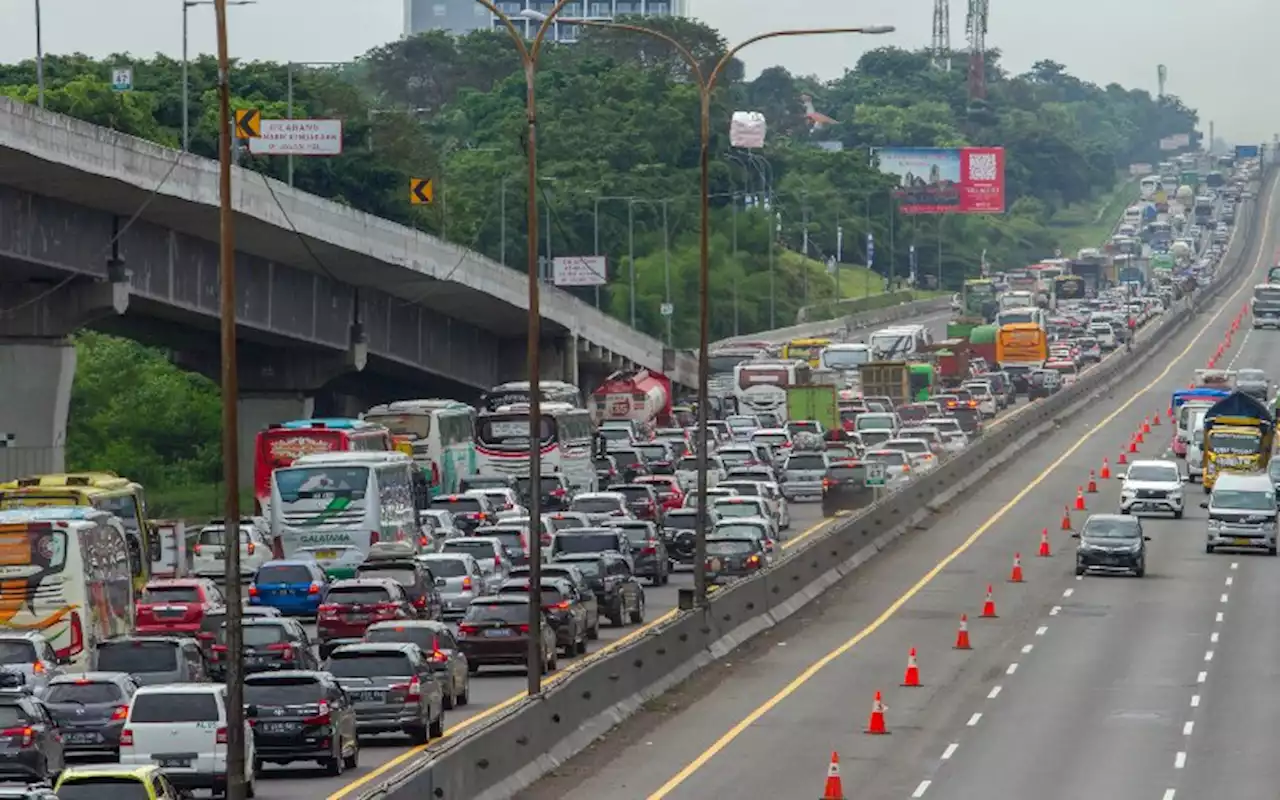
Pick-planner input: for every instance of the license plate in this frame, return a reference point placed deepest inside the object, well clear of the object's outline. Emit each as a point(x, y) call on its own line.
point(277, 727)
point(369, 697)
point(1244, 542)
point(82, 738)
point(171, 763)
point(327, 554)
point(496, 633)
point(355, 617)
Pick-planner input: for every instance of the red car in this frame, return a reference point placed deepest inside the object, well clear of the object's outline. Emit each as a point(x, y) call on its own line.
point(353, 605)
point(668, 489)
point(177, 605)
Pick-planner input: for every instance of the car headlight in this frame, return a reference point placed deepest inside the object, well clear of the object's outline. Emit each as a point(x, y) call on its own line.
point(1215, 524)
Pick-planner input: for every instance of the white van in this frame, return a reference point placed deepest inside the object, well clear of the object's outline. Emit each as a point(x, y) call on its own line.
point(1195, 451)
point(899, 342)
point(1105, 334)
point(182, 728)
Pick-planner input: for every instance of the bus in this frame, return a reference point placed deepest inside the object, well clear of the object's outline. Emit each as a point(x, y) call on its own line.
point(283, 443)
point(441, 436)
point(761, 386)
point(64, 573)
point(805, 350)
point(103, 490)
point(1149, 186)
point(517, 392)
point(566, 439)
point(343, 500)
point(845, 357)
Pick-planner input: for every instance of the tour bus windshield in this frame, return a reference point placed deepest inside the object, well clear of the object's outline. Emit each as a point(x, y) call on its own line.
point(722, 363)
point(758, 376)
point(312, 483)
point(845, 359)
point(511, 430)
point(417, 426)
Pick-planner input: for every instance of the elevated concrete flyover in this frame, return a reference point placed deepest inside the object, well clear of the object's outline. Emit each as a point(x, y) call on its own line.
point(326, 293)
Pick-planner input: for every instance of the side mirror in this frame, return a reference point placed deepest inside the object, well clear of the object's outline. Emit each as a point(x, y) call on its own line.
point(250, 710)
point(1146, 538)
point(1205, 504)
point(441, 582)
point(1075, 536)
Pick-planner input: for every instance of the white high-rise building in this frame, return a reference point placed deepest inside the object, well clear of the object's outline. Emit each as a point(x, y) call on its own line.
point(464, 16)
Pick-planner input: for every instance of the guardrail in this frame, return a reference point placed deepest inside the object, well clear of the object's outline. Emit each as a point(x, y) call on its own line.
point(833, 327)
point(501, 756)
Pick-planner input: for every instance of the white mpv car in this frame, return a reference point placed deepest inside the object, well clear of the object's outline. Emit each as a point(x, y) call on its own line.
point(182, 728)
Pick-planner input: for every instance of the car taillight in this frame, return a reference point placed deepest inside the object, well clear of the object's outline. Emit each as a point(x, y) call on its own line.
point(826, 483)
point(283, 648)
point(753, 561)
point(328, 610)
point(522, 629)
point(466, 584)
point(28, 735)
point(253, 591)
point(563, 605)
point(423, 541)
point(420, 601)
point(197, 548)
point(121, 712)
point(252, 547)
point(649, 550)
point(497, 562)
point(220, 736)
point(321, 718)
point(126, 738)
point(558, 493)
point(373, 538)
point(383, 609)
point(468, 630)
point(314, 588)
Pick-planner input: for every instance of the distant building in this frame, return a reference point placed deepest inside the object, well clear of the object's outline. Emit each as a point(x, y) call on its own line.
point(464, 16)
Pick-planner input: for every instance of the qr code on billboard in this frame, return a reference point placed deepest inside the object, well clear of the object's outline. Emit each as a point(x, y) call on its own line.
point(982, 167)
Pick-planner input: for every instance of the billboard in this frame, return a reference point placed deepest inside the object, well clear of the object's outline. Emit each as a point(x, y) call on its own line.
point(1176, 142)
point(298, 137)
point(579, 271)
point(1246, 151)
point(1140, 170)
point(938, 180)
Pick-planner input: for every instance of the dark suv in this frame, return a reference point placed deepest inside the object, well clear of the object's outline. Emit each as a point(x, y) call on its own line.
point(618, 593)
point(302, 716)
point(416, 579)
point(564, 609)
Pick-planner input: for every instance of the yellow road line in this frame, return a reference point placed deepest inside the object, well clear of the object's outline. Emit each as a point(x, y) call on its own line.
point(813, 669)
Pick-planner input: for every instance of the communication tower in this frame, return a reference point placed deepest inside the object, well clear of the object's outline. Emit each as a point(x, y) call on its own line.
point(975, 28)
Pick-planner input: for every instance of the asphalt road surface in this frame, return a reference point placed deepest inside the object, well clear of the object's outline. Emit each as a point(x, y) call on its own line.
point(1100, 687)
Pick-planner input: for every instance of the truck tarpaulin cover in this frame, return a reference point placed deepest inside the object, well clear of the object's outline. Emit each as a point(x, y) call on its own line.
point(938, 180)
point(1239, 404)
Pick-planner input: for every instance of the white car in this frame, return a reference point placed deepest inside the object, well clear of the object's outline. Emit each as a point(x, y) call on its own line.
point(1152, 486)
point(780, 512)
point(954, 439)
point(728, 508)
point(922, 457)
point(441, 523)
point(1195, 453)
point(713, 494)
point(982, 392)
point(504, 501)
point(897, 466)
point(182, 728)
point(209, 556)
point(687, 472)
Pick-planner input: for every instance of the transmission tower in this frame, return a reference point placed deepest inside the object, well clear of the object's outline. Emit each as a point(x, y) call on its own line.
point(941, 47)
point(975, 28)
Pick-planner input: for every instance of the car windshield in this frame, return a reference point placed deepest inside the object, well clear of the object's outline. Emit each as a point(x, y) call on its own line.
point(458, 505)
point(729, 547)
point(548, 484)
point(1247, 501)
point(425, 638)
point(890, 458)
point(595, 505)
point(264, 635)
point(875, 438)
point(1251, 376)
point(807, 462)
point(447, 567)
point(512, 539)
point(284, 573)
point(868, 422)
point(509, 613)
point(773, 439)
point(358, 595)
point(688, 522)
point(739, 530)
point(17, 652)
point(747, 489)
point(174, 707)
point(638, 534)
point(75, 787)
point(479, 549)
point(734, 457)
point(171, 594)
point(590, 568)
point(1096, 528)
point(586, 542)
point(137, 657)
point(270, 690)
point(84, 692)
point(654, 452)
point(737, 509)
point(368, 665)
point(1161, 473)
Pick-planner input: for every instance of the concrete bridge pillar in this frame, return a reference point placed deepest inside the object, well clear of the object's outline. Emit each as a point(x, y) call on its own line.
point(257, 411)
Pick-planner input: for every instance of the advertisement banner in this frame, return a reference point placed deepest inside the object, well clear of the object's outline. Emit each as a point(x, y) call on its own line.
point(1176, 141)
point(1246, 151)
point(936, 180)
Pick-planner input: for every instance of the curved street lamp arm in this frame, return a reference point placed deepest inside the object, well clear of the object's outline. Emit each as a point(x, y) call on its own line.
point(516, 35)
point(684, 52)
point(733, 51)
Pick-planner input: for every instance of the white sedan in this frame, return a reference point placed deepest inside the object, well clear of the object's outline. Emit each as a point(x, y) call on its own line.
point(209, 556)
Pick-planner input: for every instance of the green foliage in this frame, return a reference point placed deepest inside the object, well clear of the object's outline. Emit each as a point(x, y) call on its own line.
point(618, 117)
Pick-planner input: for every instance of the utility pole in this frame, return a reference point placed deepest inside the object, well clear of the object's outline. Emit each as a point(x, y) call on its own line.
point(804, 212)
point(631, 255)
point(666, 257)
point(773, 291)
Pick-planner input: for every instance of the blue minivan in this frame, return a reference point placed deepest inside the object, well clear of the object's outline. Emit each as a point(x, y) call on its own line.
point(294, 586)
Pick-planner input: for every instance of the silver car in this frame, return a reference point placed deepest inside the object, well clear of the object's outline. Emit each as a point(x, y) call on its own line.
point(459, 579)
point(392, 687)
point(1242, 513)
point(803, 473)
point(33, 656)
point(488, 552)
point(435, 640)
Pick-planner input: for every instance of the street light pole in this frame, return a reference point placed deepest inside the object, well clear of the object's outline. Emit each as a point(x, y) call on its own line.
point(186, 86)
point(39, 57)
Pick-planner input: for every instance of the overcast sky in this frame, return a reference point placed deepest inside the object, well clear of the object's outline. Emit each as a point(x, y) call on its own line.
point(1221, 55)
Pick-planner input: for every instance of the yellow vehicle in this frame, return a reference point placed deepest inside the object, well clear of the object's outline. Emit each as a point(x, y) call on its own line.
point(805, 350)
point(103, 490)
point(115, 780)
point(1238, 437)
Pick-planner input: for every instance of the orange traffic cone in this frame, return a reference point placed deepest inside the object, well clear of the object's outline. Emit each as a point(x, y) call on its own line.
point(1133, 447)
point(1139, 438)
point(1171, 408)
point(989, 605)
point(1092, 487)
point(912, 676)
point(1146, 425)
point(834, 789)
point(1066, 518)
point(962, 635)
point(1155, 418)
point(875, 725)
point(1106, 470)
point(1123, 459)
point(1016, 575)
point(1079, 498)
point(1044, 544)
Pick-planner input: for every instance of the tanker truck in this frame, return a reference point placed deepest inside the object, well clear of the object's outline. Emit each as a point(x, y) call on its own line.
point(640, 396)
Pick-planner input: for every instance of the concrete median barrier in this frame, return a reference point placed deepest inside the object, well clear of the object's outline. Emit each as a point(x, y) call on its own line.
point(858, 321)
point(510, 751)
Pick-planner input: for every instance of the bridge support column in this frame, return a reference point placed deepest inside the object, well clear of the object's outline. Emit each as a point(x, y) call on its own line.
point(35, 398)
point(257, 411)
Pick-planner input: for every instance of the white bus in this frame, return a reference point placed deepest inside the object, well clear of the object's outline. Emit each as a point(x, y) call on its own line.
point(761, 386)
point(517, 392)
point(342, 500)
point(441, 435)
point(64, 573)
point(566, 438)
point(1149, 186)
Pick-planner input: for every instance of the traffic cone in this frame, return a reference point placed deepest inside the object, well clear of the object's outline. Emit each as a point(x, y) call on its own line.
point(1044, 544)
point(962, 635)
point(1092, 488)
point(1146, 425)
point(1106, 470)
point(1079, 498)
point(875, 725)
point(1066, 518)
point(1139, 438)
point(1123, 459)
point(912, 676)
point(1016, 575)
point(1171, 411)
point(834, 789)
point(1155, 419)
point(989, 605)
point(1133, 448)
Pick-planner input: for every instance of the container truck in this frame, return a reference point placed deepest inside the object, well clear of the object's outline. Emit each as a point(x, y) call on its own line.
point(814, 403)
point(890, 379)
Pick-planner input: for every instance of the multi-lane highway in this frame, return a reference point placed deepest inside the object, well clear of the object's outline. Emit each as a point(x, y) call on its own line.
point(1092, 687)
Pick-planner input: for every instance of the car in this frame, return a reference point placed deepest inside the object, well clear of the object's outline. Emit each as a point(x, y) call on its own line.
point(564, 611)
point(495, 631)
point(575, 575)
point(435, 639)
point(294, 586)
point(668, 488)
point(591, 540)
point(270, 645)
point(1042, 383)
point(844, 487)
point(414, 576)
point(985, 397)
point(771, 492)
point(176, 605)
point(441, 522)
point(302, 715)
point(600, 506)
point(921, 454)
point(31, 745)
point(618, 592)
point(98, 781)
point(733, 557)
point(470, 511)
point(679, 532)
point(353, 605)
point(211, 626)
point(459, 580)
point(554, 495)
point(642, 499)
point(1152, 486)
point(743, 507)
point(209, 556)
point(606, 467)
point(1112, 543)
point(1253, 382)
point(803, 472)
point(32, 655)
point(392, 687)
point(648, 550)
point(504, 502)
point(515, 537)
point(182, 728)
point(338, 561)
point(488, 553)
point(954, 438)
point(89, 709)
point(1242, 513)
point(153, 660)
point(897, 466)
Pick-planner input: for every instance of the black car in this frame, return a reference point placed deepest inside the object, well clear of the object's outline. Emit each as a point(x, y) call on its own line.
point(572, 573)
point(845, 488)
point(731, 557)
point(649, 551)
point(631, 464)
point(270, 645)
point(90, 709)
point(606, 469)
point(1253, 382)
point(617, 590)
point(564, 608)
point(1112, 543)
point(469, 513)
point(416, 578)
point(680, 532)
point(554, 495)
point(30, 744)
point(301, 715)
point(1042, 383)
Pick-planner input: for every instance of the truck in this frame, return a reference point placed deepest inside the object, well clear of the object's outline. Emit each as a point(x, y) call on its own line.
point(982, 342)
point(642, 396)
point(1265, 305)
point(815, 402)
point(1239, 432)
point(979, 305)
point(890, 379)
point(1203, 209)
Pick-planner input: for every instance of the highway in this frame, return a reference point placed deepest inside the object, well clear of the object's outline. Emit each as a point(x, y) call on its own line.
point(1093, 687)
